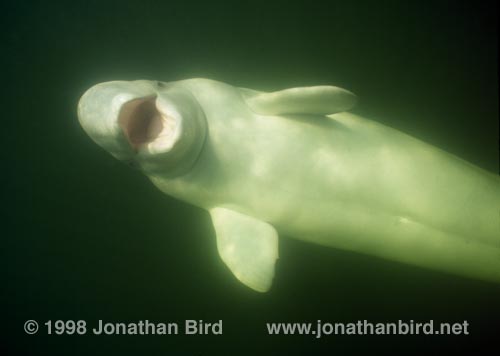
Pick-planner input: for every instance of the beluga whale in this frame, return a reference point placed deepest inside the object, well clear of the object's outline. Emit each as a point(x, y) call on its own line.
point(297, 162)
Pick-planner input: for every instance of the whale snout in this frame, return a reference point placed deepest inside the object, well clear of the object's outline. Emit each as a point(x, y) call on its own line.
point(99, 112)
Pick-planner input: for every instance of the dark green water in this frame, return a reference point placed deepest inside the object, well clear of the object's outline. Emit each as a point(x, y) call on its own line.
point(86, 238)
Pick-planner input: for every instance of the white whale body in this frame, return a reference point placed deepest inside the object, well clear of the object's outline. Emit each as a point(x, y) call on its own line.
point(295, 161)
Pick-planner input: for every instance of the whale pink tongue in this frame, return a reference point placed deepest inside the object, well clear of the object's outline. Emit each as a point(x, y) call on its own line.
point(141, 121)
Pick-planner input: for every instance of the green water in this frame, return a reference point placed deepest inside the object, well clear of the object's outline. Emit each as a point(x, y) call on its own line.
point(87, 238)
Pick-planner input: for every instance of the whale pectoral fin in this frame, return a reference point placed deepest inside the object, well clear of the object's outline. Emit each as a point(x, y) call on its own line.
point(249, 247)
point(317, 100)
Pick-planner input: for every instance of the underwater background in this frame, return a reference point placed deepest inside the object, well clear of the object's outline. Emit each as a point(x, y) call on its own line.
point(86, 238)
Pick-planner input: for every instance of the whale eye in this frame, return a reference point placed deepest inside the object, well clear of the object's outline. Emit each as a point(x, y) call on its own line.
point(131, 163)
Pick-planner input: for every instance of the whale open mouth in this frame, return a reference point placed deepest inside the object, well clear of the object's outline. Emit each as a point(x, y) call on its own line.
point(145, 126)
point(141, 121)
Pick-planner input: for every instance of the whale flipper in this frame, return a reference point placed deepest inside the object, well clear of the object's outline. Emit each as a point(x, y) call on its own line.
point(249, 247)
point(317, 100)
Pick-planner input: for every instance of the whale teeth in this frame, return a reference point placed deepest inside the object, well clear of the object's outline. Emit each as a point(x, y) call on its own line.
point(163, 132)
point(168, 125)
